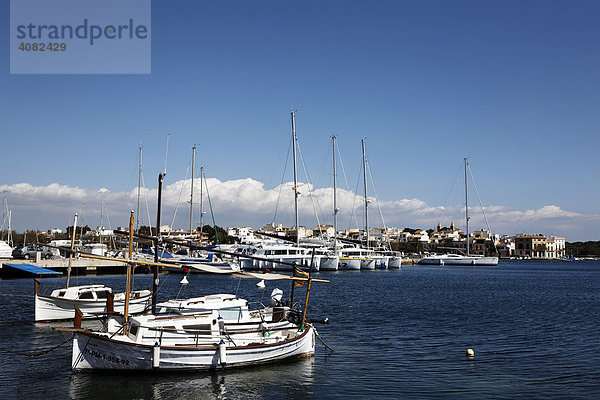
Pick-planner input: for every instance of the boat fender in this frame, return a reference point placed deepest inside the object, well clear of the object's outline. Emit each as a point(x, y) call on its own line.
point(156, 355)
point(265, 329)
point(222, 353)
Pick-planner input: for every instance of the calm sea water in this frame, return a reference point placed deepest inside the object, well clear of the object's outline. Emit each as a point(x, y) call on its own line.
point(534, 327)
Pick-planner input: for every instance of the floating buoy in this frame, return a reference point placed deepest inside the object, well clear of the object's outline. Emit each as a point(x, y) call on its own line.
point(470, 353)
point(184, 281)
point(261, 284)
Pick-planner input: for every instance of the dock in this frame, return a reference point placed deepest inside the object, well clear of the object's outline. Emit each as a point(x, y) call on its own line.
point(79, 266)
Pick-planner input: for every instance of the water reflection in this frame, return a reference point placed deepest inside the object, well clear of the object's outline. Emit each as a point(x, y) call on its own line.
point(289, 379)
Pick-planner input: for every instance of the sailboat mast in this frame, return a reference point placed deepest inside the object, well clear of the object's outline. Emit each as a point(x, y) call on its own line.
point(139, 192)
point(295, 178)
point(467, 203)
point(366, 199)
point(192, 189)
point(201, 197)
point(72, 247)
point(128, 282)
point(335, 209)
point(157, 244)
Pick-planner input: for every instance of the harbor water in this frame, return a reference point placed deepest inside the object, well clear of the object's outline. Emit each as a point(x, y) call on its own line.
point(533, 325)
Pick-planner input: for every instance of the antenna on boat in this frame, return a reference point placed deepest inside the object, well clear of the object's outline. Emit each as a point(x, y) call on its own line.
point(166, 153)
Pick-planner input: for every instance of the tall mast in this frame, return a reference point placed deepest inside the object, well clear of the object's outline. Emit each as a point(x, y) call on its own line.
point(137, 213)
point(296, 193)
point(71, 253)
point(101, 219)
point(335, 209)
point(192, 190)
point(157, 244)
point(128, 282)
point(467, 202)
point(366, 199)
point(201, 202)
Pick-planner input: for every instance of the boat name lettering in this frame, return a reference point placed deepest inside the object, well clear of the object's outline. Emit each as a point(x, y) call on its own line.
point(103, 356)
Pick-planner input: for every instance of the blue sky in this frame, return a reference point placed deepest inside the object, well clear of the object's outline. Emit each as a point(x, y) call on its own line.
point(514, 86)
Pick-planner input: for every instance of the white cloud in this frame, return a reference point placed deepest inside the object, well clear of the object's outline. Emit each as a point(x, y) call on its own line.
point(248, 202)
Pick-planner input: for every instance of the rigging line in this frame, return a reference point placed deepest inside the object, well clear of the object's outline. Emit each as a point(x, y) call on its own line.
point(378, 204)
point(310, 194)
point(211, 212)
point(180, 193)
point(460, 166)
point(147, 207)
point(347, 185)
point(481, 205)
point(287, 158)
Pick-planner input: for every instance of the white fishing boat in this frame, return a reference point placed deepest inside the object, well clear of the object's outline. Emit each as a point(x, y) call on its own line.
point(90, 299)
point(188, 342)
point(194, 335)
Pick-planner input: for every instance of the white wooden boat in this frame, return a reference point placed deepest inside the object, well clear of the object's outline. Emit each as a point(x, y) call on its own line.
point(90, 299)
point(195, 342)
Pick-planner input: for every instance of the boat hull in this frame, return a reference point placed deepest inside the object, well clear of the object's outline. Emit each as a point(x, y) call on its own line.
point(49, 308)
point(329, 263)
point(100, 352)
point(462, 260)
point(349, 263)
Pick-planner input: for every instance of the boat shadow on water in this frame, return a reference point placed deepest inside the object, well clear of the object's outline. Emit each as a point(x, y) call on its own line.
point(275, 380)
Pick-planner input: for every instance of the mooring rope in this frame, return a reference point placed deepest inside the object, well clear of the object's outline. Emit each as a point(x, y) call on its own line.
point(322, 341)
point(34, 354)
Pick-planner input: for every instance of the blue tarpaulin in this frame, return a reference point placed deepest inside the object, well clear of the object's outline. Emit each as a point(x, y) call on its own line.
point(32, 270)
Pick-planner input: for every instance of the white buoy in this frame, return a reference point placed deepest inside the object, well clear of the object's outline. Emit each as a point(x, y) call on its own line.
point(156, 355)
point(222, 353)
point(184, 281)
point(470, 353)
point(261, 284)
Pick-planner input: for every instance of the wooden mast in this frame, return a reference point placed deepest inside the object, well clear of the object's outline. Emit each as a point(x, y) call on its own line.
point(128, 282)
point(71, 252)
